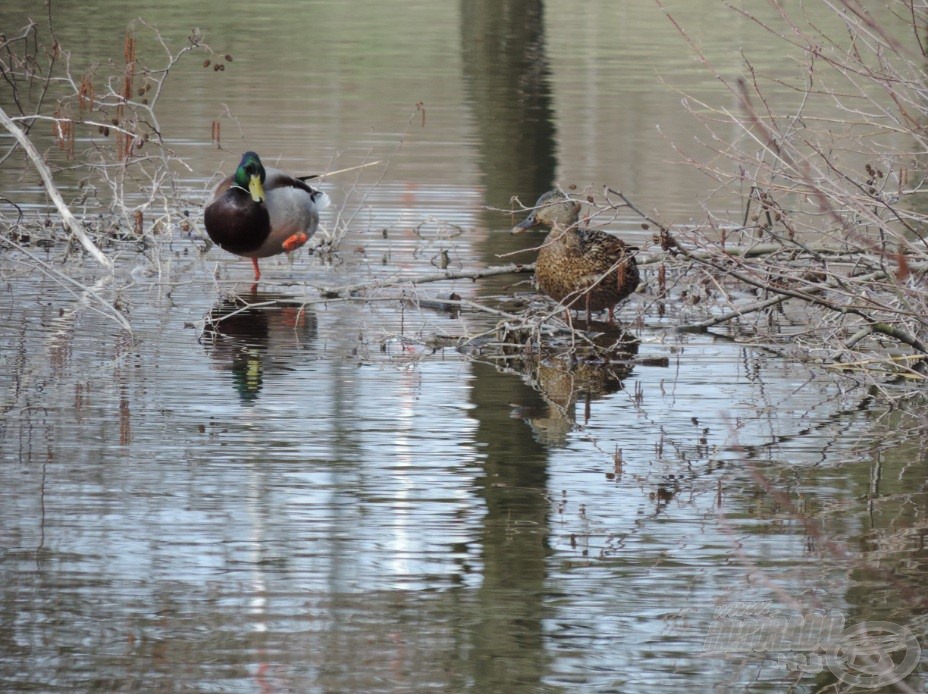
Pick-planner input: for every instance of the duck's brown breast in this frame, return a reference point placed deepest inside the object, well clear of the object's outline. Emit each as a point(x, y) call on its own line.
point(572, 265)
point(236, 223)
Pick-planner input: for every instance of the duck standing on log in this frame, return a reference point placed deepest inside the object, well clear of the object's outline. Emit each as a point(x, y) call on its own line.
point(259, 212)
point(579, 268)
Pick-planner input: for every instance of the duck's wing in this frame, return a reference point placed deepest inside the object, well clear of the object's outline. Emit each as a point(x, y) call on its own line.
point(277, 179)
point(596, 242)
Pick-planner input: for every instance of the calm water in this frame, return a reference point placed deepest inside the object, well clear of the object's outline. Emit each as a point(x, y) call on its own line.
point(313, 498)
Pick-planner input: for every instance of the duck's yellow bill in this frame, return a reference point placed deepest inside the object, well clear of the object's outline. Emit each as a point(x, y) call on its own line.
point(256, 188)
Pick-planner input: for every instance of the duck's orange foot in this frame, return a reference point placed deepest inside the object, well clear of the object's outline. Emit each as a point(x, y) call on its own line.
point(295, 241)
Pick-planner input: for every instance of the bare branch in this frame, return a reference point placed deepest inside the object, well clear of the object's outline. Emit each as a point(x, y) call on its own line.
point(70, 222)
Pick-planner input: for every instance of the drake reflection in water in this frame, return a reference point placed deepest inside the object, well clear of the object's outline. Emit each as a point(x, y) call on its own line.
point(256, 338)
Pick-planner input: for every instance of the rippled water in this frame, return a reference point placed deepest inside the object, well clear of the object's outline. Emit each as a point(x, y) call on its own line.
point(309, 495)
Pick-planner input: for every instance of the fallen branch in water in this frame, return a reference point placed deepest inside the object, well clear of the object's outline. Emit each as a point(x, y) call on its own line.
point(335, 292)
point(753, 251)
point(69, 220)
point(702, 326)
point(870, 291)
point(517, 268)
point(811, 296)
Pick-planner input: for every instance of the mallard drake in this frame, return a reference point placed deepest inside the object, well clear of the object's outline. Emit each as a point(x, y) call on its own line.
point(258, 212)
point(580, 268)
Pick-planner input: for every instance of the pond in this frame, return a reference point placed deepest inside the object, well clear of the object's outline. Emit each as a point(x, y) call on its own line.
point(321, 494)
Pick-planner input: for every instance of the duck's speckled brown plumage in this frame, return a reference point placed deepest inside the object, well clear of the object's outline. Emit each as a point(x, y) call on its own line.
point(585, 269)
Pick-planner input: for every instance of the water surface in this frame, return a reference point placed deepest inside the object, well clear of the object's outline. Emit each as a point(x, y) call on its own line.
point(310, 496)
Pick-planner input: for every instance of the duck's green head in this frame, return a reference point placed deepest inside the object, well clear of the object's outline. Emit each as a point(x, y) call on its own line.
point(250, 175)
point(553, 209)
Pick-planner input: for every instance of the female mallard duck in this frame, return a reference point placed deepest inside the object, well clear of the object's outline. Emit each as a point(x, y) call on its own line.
point(581, 268)
point(260, 212)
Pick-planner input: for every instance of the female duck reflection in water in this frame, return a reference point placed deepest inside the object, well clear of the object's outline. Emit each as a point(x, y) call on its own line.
point(260, 212)
point(580, 268)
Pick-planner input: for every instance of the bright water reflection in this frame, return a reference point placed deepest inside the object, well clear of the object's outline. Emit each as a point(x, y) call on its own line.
point(308, 497)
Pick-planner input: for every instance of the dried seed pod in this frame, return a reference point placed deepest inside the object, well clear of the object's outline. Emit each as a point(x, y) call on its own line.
point(85, 94)
point(129, 48)
point(130, 56)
